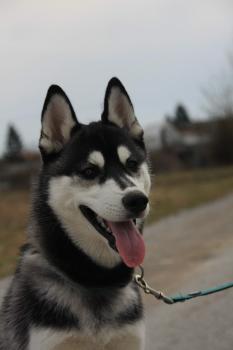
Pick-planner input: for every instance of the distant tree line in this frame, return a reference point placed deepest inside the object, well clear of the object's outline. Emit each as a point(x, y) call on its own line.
point(181, 116)
point(14, 144)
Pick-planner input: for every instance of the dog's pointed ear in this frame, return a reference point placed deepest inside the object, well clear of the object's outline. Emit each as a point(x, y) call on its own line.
point(118, 109)
point(58, 120)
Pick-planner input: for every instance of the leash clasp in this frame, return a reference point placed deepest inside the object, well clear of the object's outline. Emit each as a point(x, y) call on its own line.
point(140, 281)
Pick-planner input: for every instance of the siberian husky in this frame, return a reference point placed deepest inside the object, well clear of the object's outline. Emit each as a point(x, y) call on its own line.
point(74, 287)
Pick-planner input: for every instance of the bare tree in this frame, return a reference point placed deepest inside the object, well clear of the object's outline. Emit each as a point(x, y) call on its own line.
point(219, 103)
point(219, 94)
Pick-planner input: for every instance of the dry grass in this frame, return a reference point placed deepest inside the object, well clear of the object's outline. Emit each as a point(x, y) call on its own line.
point(176, 191)
point(13, 221)
point(170, 194)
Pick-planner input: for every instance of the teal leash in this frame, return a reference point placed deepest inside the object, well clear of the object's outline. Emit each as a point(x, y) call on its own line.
point(139, 279)
point(201, 293)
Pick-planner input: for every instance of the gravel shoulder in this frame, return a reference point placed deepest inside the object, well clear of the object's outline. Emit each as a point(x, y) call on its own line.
point(187, 252)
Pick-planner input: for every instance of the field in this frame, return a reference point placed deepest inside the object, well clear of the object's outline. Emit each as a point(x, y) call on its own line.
point(177, 191)
point(170, 193)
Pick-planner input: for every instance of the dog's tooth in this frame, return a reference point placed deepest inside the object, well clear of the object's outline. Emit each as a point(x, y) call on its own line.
point(102, 223)
point(99, 219)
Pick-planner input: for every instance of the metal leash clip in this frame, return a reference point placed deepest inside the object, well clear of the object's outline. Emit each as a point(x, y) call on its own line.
point(139, 279)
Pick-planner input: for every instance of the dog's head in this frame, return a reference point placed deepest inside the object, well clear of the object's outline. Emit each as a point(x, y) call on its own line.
point(98, 179)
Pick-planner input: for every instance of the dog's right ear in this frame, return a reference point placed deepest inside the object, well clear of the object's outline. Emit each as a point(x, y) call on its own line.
point(58, 119)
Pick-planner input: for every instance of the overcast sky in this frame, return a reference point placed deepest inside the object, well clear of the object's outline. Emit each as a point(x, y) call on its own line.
point(164, 51)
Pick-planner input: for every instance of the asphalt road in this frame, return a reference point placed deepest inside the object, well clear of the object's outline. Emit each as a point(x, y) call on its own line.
point(186, 252)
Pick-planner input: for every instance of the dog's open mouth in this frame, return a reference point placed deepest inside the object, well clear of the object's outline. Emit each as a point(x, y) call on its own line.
point(99, 224)
point(122, 236)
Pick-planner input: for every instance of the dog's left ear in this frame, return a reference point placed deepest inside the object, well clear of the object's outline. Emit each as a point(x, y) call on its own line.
point(118, 109)
point(58, 121)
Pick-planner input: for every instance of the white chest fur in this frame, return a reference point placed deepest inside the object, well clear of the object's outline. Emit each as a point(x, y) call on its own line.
point(130, 337)
point(92, 335)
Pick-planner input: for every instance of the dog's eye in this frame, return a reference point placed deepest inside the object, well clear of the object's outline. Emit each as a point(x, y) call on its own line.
point(132, 165)
point(90, 172)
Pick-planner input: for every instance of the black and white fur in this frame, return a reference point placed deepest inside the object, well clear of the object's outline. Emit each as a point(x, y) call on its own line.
point(71, 290)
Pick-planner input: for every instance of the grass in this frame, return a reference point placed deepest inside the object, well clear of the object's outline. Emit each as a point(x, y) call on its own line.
point(14, 207)
point(174, 192)
point(170, 194)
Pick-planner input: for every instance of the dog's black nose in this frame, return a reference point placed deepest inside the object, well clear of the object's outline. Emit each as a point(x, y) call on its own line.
point(135, 202)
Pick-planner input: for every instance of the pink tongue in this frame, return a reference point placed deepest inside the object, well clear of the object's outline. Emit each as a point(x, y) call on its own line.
point(129, 242)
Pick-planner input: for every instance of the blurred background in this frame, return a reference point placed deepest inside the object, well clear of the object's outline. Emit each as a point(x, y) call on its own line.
point(175, 59)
